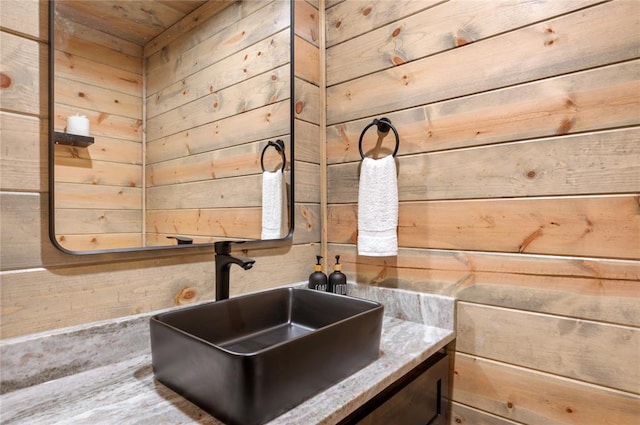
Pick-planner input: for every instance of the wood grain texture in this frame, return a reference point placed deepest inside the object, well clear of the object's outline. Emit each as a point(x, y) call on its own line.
point(23, 163)
point(602, 226)
point(175, 62)
point(566, 44)
point(584, 101)
point(307, 102)
point(577, 349)
point(86, 293)
point(602, 162)
point(598, 290)
point(256, 92)
point(256, 59)
point(445, 26)
point(26, 17)
point(24, 75)
point(307, 59)
point(269, 121)
point(348, 19)
point(307, 21)
point(534, 397)
point(465, 415)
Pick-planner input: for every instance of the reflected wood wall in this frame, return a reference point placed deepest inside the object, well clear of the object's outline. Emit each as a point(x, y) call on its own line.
point(519, 180)
point(43, 289)
point(98, 188)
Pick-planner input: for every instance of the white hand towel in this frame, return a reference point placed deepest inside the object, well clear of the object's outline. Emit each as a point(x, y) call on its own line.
point(272, 201)
point(378, 207)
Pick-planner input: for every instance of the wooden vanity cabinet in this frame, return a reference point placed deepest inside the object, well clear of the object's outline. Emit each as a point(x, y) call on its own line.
point(418, 398)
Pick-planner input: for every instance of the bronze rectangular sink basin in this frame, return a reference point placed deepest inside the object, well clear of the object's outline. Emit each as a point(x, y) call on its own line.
point(251, 358)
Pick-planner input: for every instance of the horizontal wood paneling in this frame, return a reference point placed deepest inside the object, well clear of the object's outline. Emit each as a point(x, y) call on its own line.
point(43, 288)
point(88, 196)
point(94, 45)
point(84, 70)
point(175, 62)
point(207, 225)
point(348, 19)
point(443, 27)
point(95, 292)
point(23, 164)
point(307, 21)
point(307, 60)
point(193, 21)
point(26, 17)
point(269, 121)
point(220, 163)
point(603, 162)
point(566, 44)
point(256, 92)
point(307, 137)
point(535, 397)
point(256, 59)
point(578, 349)
point(594, 226)
point(307, 102)
point(461, 414)
point(599, 290)
point(24, 75)
point(583, 101)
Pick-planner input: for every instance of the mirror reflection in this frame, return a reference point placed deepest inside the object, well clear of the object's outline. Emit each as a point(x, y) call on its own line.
point(165, 118)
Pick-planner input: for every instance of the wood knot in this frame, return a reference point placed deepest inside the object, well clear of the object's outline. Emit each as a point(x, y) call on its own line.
point(338, 23)
point(396, 32)
point(299, 107)
point(531, 174)
point(366, 11)
point(81, 94)
point(568, 410)
point(5, 81)
point(461, 41)
point(186, 295)
point(509, 405)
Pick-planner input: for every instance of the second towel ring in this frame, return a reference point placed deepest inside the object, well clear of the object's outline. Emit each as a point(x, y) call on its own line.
point(383, 124)
point(279, 145)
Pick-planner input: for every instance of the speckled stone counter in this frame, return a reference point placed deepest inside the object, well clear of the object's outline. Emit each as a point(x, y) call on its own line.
point(101, 373)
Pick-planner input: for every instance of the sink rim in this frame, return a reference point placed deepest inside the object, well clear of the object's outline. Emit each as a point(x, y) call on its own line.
point(375, 305)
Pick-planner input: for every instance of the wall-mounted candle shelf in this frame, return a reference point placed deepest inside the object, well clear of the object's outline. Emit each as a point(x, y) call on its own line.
point(72, 139)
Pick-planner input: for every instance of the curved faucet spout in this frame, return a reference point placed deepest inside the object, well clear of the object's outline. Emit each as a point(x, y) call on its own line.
point(224, 260)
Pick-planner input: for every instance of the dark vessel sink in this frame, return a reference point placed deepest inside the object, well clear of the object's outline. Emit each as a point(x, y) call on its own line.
point(251, 358)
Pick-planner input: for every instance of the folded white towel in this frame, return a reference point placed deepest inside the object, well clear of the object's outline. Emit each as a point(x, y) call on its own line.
point(378, 207)
point(272, 202)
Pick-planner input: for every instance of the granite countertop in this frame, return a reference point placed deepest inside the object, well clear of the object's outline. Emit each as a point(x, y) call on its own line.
point(102, 373)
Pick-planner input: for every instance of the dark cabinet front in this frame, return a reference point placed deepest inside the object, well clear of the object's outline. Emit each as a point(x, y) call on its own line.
point(418, 398)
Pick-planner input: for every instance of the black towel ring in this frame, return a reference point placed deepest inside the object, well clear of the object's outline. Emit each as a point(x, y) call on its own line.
point(383, 124)
point(279, 145)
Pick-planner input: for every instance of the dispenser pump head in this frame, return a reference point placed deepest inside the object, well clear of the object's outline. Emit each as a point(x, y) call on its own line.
point(318, 266)
point(337, 266)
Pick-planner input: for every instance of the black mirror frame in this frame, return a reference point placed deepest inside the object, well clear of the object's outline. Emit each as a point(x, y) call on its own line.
point(246, 244)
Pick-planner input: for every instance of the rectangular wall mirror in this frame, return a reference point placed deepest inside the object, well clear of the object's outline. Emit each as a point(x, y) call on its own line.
point(171, 122)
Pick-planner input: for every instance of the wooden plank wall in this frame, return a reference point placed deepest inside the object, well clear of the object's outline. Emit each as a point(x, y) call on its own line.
point(42, 288)
point(519, 181)
point(98, 188)
point(215, 96)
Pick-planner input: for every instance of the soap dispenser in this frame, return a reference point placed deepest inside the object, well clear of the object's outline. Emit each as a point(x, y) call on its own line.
point(317, 279)
point(337, 279)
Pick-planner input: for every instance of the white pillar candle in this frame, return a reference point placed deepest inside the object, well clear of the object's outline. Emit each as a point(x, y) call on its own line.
point(78, 124)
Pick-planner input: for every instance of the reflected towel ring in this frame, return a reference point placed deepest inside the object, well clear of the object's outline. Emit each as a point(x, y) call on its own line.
point(279, 145)
point(383, 124)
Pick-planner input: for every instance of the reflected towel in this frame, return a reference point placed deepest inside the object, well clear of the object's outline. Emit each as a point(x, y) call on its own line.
point(378, 207)
point(272, 201)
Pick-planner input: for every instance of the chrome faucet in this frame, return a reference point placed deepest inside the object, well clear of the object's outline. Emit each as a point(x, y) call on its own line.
point(224, 260)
